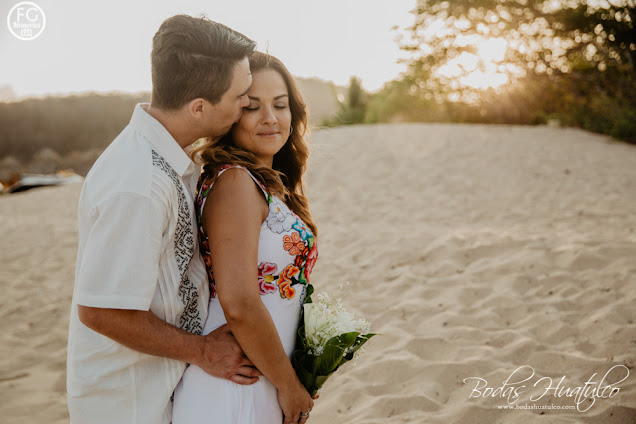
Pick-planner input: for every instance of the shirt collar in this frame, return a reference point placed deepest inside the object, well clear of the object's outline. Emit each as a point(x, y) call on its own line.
point(160, 138)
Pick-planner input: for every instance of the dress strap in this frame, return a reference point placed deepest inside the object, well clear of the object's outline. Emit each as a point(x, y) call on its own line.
point(224, 168)
point(205, 185)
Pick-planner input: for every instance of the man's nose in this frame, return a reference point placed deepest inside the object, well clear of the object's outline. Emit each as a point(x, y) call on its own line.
point(245, 101)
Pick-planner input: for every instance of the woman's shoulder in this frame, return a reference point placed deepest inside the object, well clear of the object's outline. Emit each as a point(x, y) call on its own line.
point(233, 184)
point(209, 176)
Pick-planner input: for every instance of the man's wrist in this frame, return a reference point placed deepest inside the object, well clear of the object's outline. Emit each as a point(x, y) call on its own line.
point(195, 349)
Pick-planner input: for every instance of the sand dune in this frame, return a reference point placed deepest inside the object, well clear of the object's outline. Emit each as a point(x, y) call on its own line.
point(474, 250)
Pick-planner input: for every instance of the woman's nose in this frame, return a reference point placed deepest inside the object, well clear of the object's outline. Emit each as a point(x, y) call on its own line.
point(268, 116)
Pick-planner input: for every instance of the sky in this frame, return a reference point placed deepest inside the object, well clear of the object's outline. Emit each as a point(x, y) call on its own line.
point(105, 46)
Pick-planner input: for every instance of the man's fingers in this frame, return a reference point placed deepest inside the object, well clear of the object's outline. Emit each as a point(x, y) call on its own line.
point(249, 371)
point(246, 361)
point(245, 381)
point(223, 329)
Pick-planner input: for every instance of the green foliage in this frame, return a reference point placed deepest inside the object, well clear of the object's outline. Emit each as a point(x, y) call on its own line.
point(398, 101)
point(569, 61)
point(64, 124)
point(353, 109)
point(624, 127)
point(312, 370)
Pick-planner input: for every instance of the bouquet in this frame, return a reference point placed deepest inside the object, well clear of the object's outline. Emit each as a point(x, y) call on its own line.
point(328, 337)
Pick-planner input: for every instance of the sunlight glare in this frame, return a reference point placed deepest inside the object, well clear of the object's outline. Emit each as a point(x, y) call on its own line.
point(479, 70)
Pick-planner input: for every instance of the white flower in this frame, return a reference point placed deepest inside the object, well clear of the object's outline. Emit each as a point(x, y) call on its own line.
point(277, 220)
point(327, 318)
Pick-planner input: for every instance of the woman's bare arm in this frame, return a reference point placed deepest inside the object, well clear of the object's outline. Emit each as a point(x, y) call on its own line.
point(233, 215)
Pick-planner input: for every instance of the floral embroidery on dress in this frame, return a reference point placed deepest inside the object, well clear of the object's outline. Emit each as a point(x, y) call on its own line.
point(286, 280)
point(295, 238)
point(312, 257)
point(293, 244)
point(277, 220)
point(205, 185)
point(303, 231)
point(266, 277)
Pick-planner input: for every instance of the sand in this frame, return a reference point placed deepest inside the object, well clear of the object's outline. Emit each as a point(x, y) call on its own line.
point(474, 250)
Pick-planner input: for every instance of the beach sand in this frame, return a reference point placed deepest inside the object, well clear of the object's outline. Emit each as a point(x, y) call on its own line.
point(473, 249)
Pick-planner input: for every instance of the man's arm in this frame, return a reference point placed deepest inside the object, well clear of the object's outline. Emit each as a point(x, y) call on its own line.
point(217, 353)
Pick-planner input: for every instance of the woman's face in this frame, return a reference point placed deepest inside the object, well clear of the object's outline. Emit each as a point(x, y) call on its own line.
point(265, 124)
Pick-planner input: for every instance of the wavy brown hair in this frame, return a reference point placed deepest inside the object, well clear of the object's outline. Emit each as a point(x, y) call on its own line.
point(285, 177)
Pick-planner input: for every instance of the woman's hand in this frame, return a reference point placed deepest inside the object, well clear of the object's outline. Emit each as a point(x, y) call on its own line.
point(232, 218)
point(293, 402)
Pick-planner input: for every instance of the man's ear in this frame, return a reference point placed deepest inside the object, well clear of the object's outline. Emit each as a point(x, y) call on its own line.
point(195, 107)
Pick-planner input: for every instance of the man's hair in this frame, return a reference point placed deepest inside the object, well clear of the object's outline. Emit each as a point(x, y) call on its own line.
point(194, 57)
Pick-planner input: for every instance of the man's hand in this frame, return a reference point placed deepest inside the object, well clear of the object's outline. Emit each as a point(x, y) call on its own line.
point(222, 357)
point(218, 353)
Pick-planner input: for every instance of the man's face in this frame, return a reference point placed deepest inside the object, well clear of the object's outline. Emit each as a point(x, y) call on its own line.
point(228, 111)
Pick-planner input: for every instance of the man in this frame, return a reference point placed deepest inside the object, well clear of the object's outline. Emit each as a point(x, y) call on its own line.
point(141, 289)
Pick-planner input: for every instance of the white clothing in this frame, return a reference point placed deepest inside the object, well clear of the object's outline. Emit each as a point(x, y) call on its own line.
point(138, 249)
point(286, 254)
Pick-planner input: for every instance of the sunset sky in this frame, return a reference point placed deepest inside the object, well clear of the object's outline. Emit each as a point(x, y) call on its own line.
point(105, 46)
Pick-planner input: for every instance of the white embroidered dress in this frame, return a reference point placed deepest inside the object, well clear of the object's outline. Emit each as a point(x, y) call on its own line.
point(286, 255)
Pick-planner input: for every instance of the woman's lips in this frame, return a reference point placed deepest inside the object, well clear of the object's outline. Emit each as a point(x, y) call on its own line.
point(268, 133)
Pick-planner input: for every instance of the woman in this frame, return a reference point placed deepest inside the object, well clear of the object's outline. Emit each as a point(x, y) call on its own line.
point(258, 241)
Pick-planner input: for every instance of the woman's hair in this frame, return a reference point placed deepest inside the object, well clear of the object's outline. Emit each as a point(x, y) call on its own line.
point(194, 57)
point(285, 177)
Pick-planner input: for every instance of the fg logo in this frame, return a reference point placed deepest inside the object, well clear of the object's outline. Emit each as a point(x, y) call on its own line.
point(26, 21)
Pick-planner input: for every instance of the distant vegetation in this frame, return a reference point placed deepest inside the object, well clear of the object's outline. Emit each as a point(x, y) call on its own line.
point(64, 124)
point(352, 109)
point(568, 62)
point(48, 134)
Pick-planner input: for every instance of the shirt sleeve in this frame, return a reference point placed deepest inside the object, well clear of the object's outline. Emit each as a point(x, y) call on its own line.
point(120, 262)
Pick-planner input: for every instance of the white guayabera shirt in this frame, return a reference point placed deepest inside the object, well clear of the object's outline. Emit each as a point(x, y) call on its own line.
point(138, 250)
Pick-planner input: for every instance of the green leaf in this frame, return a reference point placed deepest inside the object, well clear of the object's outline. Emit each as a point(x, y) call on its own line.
point(333, 352)
point(302, 362)
point(360, 340)
point(310, 291)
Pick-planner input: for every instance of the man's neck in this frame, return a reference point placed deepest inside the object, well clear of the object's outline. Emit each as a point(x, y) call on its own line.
point(174, 124)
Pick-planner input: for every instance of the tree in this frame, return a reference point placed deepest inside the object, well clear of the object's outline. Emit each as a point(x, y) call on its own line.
point(543, 36)
point(353, 108)
point(587, 46)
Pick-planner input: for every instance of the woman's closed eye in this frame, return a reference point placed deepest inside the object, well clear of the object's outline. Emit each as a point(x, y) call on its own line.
point(253, 108)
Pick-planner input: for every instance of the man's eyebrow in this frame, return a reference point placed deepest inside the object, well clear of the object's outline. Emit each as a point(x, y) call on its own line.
point(275, 98)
